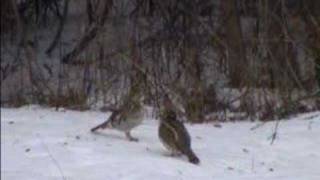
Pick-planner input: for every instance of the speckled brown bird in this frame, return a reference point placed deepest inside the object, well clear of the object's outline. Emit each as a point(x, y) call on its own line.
point(128, 116)
point(173, 133)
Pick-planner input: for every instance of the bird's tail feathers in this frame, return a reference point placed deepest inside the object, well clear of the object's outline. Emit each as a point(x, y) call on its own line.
point(192, 157)
point(104, 125)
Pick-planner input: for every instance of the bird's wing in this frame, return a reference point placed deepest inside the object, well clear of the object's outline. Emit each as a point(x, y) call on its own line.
point(116, 116)
point(179, 132)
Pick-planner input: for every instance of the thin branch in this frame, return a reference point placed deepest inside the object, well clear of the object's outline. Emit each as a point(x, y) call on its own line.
point(22, 39)
point(60, 28)
point(93, 31)
point(275, 132)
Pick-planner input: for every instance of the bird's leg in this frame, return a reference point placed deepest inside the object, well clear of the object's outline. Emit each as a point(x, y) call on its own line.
point(130, 138)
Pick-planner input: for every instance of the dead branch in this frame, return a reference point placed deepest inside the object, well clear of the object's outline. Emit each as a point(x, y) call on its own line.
point(22, 39)
point(275, 132)
point(93, 31)
point(60, 28)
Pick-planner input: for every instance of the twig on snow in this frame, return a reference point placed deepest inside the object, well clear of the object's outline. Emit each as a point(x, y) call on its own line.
point(275, 132)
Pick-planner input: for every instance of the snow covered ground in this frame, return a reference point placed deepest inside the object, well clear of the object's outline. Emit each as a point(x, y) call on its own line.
point(44, 144)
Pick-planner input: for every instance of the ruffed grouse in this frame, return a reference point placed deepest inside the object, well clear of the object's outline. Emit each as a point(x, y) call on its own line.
point(173, 133)
point(128, 116)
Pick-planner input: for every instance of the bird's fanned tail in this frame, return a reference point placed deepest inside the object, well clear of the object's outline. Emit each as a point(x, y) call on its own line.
point(192, 157)
point(107, 123)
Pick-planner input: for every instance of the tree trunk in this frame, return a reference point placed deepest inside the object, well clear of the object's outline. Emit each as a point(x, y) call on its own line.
point(237, 61)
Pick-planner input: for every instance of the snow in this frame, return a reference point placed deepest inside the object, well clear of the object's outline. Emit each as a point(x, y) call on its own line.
point(44, 144)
